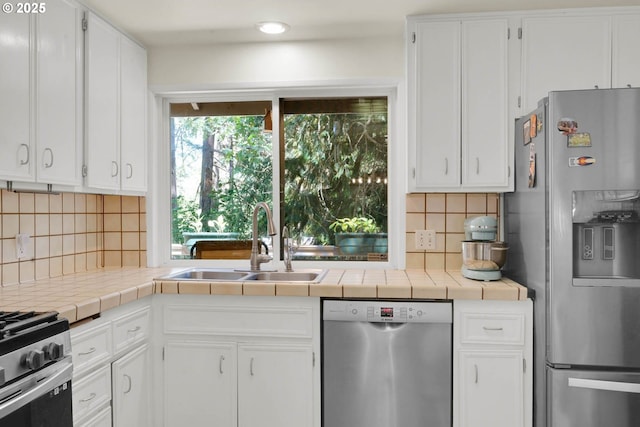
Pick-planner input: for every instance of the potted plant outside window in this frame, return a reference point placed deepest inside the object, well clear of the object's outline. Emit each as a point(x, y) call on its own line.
point(358, 236)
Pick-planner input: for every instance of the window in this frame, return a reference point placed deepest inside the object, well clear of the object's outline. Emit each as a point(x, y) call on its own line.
point(335, 177)
point(221, 166)
point(332, 179)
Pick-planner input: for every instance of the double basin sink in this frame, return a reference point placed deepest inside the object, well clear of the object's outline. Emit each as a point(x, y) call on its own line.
point(227, 275)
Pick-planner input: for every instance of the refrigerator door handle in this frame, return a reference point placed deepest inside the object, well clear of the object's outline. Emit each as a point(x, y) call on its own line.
point(604, 385)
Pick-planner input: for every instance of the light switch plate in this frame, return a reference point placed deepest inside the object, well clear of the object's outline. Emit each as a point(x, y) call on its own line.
point(426, 239)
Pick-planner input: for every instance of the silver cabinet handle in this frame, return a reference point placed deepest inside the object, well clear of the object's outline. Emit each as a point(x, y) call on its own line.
point(477, 166)
point(88, 399)
point(220, 365)
point(114, 169)
point(45, 164)
point(604, 385)
point(487, 328)
point(446, 166)
point(133, 330)
point(251, 367)
point(91, 350)
point(25, 162)
point(130, 169)
point(475, 367)
point(128, 378)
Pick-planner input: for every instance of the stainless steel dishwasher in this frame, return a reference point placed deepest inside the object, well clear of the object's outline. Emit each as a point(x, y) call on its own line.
point(386, 363)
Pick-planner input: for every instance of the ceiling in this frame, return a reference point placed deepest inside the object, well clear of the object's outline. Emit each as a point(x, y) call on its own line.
point(176, 22)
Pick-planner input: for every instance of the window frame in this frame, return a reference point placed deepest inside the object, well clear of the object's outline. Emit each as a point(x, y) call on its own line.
point(158, 196)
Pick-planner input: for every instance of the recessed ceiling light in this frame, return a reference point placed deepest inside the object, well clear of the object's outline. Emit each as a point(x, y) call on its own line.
point(272, 27)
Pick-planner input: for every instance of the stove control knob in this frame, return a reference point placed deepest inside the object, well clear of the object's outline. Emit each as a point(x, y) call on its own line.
point(53, 351)
point(34, 360)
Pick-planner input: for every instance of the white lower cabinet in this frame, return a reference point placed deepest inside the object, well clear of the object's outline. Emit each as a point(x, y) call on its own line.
point(493, 369)
point(275, 385)
point(111, 369)
point(238, 384)
point(240, 361)
point(130, 388)
point(200, 383)
point(491, 386)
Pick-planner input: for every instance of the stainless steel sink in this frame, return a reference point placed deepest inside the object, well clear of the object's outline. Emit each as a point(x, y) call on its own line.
point(227, 275)
point(209, 275)
point(292, 276)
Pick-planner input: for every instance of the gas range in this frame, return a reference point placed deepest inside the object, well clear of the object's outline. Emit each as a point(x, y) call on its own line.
point(29, 341)
point(35, 370)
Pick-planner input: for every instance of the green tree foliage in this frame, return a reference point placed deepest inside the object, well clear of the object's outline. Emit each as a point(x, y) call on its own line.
point(240, 174)
point(335, 167)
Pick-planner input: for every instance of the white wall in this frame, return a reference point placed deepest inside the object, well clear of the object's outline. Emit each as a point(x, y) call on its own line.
point(200, 66)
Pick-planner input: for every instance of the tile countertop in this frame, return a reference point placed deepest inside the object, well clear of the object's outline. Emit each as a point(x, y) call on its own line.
point(82, 295)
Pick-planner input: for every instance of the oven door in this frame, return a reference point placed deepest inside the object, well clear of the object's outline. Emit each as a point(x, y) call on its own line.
point(42, 399)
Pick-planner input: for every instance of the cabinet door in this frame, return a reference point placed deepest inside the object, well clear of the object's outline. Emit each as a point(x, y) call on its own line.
point(59, 94)
point(102, 93)
point(435, 84)
point(17, 159)
point(200, 384)
point(133, 119)
point(275, 384)
point(564, 53)
point(485, 138)
point(490, 389)
point(130, 379)
point(626, 54)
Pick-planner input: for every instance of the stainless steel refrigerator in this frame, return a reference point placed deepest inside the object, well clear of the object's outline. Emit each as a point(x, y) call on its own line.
point(573, 230)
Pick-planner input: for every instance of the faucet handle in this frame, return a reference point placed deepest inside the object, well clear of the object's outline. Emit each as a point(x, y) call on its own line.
point(288, 249)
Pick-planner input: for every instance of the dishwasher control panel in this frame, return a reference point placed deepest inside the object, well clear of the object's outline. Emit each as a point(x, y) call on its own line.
point(387, 311)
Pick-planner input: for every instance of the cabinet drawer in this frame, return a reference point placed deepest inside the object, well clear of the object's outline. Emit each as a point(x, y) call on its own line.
point(90, 347)
point(503, 328)
point(101, 419)
point(91, 392)
point(130, 330)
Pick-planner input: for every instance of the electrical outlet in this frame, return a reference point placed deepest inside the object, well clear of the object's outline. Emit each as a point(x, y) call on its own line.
point(426, 239)
point(22, 245)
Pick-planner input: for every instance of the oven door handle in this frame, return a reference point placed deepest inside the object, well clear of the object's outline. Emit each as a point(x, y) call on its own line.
point(57, 378)
point(605, 385)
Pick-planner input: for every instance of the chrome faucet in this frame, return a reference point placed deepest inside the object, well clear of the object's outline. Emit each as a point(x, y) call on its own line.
point(256, 257)
point(288, 249)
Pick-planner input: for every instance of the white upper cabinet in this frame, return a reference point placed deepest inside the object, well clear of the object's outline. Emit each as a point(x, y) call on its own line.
point(59, 94)
point(564, 53)
point(41, 75)
point(133, 116)
point(458, 85)
point(434, 84)
point(102, 145)
point(579, 50)
point(486, 139)
point(626, 51)
point(116, 76)
point(17, 159)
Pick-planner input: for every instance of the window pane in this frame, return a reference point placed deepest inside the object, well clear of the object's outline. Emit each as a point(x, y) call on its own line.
point(335, 178)
point(221, 166)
